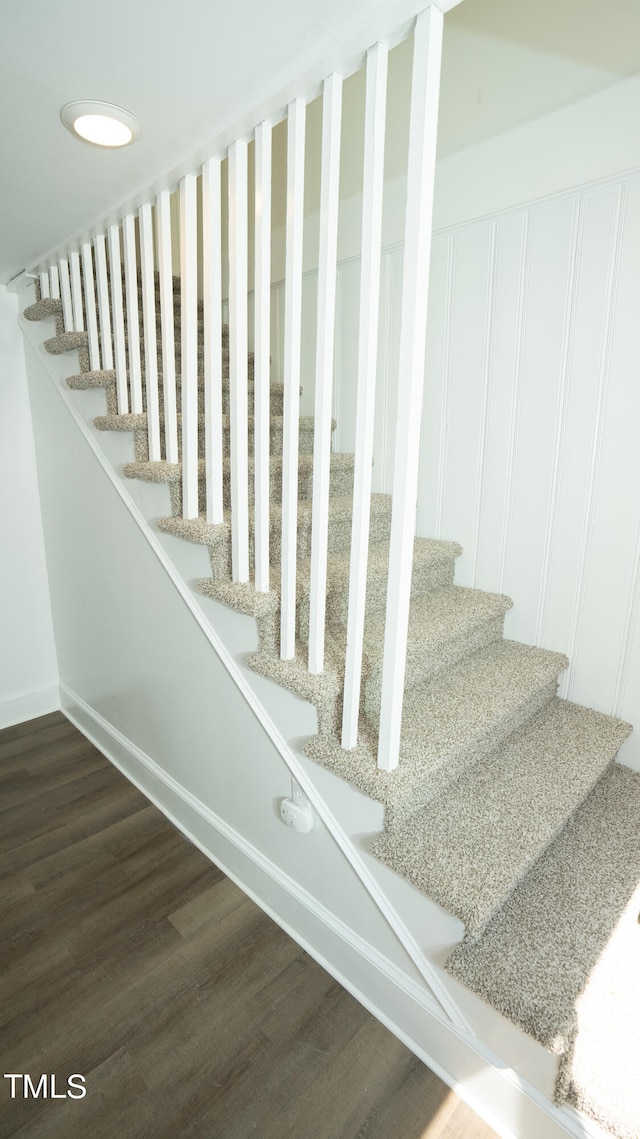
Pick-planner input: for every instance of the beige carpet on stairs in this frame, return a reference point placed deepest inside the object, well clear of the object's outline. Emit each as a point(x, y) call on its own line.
point(508, 808)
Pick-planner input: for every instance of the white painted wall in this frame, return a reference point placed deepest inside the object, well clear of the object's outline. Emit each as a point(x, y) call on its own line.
point(28, 665)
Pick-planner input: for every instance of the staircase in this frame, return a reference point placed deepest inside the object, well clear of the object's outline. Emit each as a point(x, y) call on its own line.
point(507, 808)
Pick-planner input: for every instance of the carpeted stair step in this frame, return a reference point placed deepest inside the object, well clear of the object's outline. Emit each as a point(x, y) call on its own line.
point(107, 380)
point(449, 723)
point(541, 952)
point(469, 848)
point(444, 627)
point(218, 538)
point(433, 568)
point(138, 425)
point(340, 485)
point(45, 308)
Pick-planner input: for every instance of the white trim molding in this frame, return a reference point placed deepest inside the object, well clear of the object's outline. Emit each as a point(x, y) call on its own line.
point(18, 707)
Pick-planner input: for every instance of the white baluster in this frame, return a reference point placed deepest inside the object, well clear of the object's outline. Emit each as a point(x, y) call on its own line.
point(54, 281)
point(65, 289)
point(372, 186)
point(212, 306)
point(115, 266)
point(133, 318)
point(76, 291)
point(296, 122)
point(145, 219)
point(90, 306)
point(189, 352)
point(167, 320)
point(44, 286)
point(327, 268)
point(106, 348)
point(262, 363)
point(425, 88)
point(238, 348)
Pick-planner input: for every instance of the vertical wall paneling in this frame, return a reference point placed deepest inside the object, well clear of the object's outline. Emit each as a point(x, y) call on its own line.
point(212, 314)
point(115, 263)
point(596, 444)
point(630, 627)
point(261, 366)
point(238, 348)
point(292, 327)
point(76, 291)
point(65, 289)
point(327, 267)
point(425, 90)
point(514, 425)
point(90, 306)
point(133, 319)
point(605, 627)
point(373, 172)
point(145, 218)
point(44, 286)
point(167, 325)
point(189, 344)
point(566, 361)
point(446, 379)
point(54, 281)
point(104, 307)
point(486, 382)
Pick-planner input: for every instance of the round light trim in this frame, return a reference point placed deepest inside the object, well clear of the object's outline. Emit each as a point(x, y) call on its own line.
point(101, 124)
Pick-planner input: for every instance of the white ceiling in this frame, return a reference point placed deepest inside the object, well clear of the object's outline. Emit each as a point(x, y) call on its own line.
point(185, 67)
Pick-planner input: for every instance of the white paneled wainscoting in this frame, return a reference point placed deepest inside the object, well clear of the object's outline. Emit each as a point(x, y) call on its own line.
point(530, 455)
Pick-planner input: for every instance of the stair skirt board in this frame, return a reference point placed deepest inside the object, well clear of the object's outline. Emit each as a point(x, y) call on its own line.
point(503, 793)
point(512, 1106)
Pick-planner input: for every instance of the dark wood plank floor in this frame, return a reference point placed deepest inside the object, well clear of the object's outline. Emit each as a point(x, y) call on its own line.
point(127, 957)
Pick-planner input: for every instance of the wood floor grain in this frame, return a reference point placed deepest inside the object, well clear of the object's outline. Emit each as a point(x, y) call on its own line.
point(127, 957)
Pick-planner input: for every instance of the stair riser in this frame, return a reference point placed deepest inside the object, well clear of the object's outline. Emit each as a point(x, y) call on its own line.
point(339, 543)
point(423, 665)
point(277, 400)
point(141, 441)
point(341, 484)
point(425, 578)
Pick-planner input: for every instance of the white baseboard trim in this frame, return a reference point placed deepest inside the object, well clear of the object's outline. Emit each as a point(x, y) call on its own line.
point(21, 706)
point(509, 1104)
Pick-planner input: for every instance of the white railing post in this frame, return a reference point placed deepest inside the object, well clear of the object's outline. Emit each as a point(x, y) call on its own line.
point(372, 189)
point(238, 348)
point(76, 291)
point(189, 344)
point(65, 289)
point(90, 306)
point(296, 123)
point(150, 331)
point(327, 269)
point(167, 322)
point(425, 89)
point(133, 319)
point(54, 282)
point(261, 358)
point(115, 266)
point(212, 313)
point(44, 286)
point(106, 349)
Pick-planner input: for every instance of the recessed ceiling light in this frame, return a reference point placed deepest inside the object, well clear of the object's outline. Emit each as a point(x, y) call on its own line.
point(101, 124)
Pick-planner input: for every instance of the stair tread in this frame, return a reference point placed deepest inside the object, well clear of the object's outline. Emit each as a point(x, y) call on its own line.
point(161, 471)
point(131, 421)
point(435, 619)
point(542, 953)
point(448, 721)
point(472, 844)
